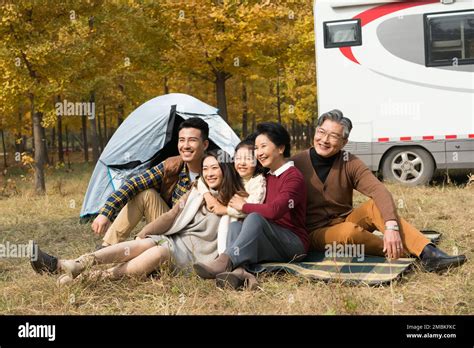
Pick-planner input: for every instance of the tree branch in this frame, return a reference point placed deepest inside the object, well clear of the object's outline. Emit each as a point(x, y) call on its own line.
point(208, 60)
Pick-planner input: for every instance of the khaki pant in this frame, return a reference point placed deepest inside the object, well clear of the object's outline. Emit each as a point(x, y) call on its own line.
point(147, 203)
point(357, 228)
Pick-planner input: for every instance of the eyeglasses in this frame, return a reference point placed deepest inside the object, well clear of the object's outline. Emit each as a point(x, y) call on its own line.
point(332, 136)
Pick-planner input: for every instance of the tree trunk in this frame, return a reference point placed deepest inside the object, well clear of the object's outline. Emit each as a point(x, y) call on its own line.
point(53, 141)
point(245, 108)
point(67, 139)
point(121, 112)
point(94, 137)
point(309, 134)
point(20, 140)
point(165, 85)
point(67, 148)
point(59, 125)
point(293, 132)
point(32, 136)
point(120, 115)
point(99, 130)
point(5, 165)
point(106, 135)
point(220, 94)
point(18, 143)
point(72, 144)
point(60, 139)
point(44, 142)
point(84, 136)
point(296, 139)
point(253, 123)
point(278, 98)
point(24, 144)
point(53, 138)
point(299, 134)
point(40, 154)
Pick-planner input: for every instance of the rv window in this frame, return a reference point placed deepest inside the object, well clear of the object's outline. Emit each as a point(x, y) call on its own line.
point(449, 38)
point(342, 33)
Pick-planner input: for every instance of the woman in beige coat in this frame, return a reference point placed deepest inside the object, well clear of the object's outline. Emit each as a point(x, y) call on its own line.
point(179, 238)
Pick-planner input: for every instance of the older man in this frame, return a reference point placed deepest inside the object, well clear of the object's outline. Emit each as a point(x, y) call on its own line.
point(331, 175)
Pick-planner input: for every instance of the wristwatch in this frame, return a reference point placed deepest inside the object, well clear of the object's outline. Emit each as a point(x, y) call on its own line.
point(392, 228)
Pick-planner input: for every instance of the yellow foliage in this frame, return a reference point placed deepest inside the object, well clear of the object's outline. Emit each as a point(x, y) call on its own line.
point(27, 160)
point(125, 55)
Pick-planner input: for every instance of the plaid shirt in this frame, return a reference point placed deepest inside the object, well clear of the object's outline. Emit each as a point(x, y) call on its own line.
point(152, 178)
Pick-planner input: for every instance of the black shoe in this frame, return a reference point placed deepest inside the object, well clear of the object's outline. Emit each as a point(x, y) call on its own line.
point(42, 262)
point(435, 260)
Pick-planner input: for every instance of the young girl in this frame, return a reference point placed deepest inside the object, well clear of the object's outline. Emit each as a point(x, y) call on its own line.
point(251, 173)
point(184, 235)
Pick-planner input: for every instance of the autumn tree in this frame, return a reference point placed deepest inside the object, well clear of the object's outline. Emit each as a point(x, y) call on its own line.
point(213, 40)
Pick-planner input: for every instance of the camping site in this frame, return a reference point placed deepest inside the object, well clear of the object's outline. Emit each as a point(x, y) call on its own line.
point(93, 92)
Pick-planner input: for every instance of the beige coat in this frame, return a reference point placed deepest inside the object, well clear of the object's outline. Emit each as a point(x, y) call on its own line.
point(256, 188)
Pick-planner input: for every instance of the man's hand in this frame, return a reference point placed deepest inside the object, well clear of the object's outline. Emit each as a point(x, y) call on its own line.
point(211, 201)
point(237, 202)
point(392, 244)
point(101, 224)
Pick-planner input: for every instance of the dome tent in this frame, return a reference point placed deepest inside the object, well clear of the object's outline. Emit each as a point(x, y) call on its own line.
point(148, 136)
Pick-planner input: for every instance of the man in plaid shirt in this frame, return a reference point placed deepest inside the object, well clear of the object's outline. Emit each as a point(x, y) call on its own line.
point(154, 192)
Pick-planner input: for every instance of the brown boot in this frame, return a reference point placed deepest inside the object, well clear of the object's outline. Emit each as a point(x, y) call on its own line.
point(236, 279)
point(213, 268)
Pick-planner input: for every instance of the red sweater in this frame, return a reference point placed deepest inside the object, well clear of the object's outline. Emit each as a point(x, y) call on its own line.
point(285, 203)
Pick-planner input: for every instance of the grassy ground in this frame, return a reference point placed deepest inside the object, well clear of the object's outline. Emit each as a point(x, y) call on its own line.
point(52, 220)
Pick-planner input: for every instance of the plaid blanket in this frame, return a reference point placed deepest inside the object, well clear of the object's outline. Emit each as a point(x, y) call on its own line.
point(371, 270)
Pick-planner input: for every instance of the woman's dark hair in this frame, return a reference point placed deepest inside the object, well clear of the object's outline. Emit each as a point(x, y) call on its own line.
point(198, 123)
point(231, 181)
point(277, 134)
point(249, 143)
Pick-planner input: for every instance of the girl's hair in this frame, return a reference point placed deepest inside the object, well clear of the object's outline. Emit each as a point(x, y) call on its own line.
point(231, 181)
point(249, 143)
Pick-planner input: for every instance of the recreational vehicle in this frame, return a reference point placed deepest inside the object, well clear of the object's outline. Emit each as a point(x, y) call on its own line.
point(403, 72)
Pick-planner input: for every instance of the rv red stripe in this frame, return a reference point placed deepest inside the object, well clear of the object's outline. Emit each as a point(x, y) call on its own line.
point(374, 13)
point(347, 52)
point(428, 137)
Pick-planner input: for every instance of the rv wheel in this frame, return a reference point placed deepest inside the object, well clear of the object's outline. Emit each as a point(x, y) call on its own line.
point(408, 165)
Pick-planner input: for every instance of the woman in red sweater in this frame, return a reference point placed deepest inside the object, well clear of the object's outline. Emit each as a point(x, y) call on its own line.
point(273, 231)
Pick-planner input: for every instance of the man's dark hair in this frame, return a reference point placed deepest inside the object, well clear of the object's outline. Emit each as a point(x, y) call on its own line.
point(198, 123)
point(277, 134)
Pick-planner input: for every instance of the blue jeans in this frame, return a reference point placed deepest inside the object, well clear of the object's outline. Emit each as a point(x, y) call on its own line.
point(257, 239)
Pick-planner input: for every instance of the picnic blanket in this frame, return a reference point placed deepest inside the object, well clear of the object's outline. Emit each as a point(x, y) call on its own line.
point(371, 270)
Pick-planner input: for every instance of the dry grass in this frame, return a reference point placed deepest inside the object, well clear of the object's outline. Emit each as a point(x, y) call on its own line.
point(53, 221)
